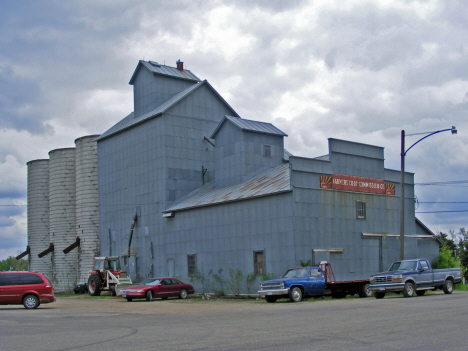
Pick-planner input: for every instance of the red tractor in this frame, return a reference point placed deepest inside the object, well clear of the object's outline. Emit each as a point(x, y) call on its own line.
point(106, 276)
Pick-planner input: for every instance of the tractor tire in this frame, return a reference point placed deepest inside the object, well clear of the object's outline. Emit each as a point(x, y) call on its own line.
point(94, 285)
point(112, 290)
point(129, 299)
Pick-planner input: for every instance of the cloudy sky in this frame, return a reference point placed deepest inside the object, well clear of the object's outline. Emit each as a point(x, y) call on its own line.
point(354, 70)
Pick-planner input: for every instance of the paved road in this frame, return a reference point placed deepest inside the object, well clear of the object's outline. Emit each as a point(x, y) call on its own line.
point(431, 322)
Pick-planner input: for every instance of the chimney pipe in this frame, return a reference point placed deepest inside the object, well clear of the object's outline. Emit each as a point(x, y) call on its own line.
point(180, 65)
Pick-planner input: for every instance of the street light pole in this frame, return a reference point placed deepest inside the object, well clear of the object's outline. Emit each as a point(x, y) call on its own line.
point(402, 182)
point(402, 199)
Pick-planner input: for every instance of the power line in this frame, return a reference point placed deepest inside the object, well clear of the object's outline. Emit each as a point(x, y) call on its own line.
point(451, 182)
point(442, 202)
point(441, 211)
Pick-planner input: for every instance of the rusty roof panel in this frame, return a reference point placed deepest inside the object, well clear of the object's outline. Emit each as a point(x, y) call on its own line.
point(274, 180)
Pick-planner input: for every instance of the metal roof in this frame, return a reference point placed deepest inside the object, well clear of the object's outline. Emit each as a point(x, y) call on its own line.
point(251, 126)
point(286, 155)
point(323, 158)
point(272, 181)
point(131, 120)
point(157, 68)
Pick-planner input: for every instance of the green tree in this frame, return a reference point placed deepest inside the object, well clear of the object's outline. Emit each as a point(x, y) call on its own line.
point(12, 264)
point(445, 259)
point(463, 251)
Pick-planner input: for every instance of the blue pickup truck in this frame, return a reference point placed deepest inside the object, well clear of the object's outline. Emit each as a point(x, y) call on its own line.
point(311, 281)
point(413, 277)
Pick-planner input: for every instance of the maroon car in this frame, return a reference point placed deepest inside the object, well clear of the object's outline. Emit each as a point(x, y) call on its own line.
point(27, 288)
point(157, 287)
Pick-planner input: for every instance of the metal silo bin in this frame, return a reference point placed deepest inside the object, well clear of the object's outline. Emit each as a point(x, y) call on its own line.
point(38, 215)
point(87, 203)
point(62, 214)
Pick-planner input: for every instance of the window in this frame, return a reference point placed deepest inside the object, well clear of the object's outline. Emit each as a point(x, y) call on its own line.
point(29, 279)
point(423, 265)
point(8, 279)
point(360, 209)
point(266, 150)
point(192, 264)
point(314, 273)
point(259, 263)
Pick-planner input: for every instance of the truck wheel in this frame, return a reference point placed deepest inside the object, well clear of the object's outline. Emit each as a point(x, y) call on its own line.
point(94, 285)
point(420, 292)
point(270, 299)
point(149, 295)
point(295, 295)
point(31, 301)
point(379, 295)
point(408, 290)
point(364, 291)
point(448, 287)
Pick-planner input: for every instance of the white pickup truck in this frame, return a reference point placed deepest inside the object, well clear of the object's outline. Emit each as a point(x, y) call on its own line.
point(413, 277)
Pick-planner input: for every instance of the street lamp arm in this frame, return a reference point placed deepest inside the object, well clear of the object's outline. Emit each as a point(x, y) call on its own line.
point(427, 136)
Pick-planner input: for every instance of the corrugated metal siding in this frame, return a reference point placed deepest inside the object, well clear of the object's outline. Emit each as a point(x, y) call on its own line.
point(272, 181)
point(131, 120)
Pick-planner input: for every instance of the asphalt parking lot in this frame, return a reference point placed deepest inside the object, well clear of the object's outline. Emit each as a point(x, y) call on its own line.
point(433, 322)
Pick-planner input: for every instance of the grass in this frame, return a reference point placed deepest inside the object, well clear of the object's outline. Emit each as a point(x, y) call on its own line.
point(461, 287)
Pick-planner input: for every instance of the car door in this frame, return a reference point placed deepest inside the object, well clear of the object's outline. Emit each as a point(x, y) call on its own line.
point(9, 288)
point(175, 287)
point(425, 276)
point(317, 284)
point(164, 288)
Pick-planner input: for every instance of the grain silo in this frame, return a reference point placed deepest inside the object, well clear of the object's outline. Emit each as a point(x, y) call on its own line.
point(62, 215)
point(38, 215)
point(87, 204)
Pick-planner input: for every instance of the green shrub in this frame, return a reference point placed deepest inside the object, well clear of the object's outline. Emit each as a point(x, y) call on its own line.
point(445, 260)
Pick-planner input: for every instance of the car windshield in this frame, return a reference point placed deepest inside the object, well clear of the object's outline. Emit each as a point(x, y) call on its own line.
point(296, 273)
point(150, 282)
point(404, 266)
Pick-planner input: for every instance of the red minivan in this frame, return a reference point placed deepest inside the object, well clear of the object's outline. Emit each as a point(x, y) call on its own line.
point(27, 288)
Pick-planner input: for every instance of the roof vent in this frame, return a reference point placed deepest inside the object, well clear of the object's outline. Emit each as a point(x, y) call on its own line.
point(180, 65)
